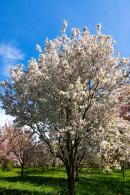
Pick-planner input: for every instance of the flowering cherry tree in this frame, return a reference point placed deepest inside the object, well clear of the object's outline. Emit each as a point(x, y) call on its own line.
point(22, 147)
point(124, 100)
point(6, 141)
point(68, 95)
point(16, 145)
point(115, 145)
point(42, 156)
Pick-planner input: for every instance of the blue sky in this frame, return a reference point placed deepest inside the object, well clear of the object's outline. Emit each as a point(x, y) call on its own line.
point(23, 23)
point(27, 22)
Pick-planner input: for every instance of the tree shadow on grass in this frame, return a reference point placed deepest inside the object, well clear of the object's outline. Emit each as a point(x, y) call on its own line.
point(55, 183)
point(4, 191)
point(95, 185)
point(37, 180)
point(87, 186)
point(36, 171)
point(103, 186)
point(40, 171)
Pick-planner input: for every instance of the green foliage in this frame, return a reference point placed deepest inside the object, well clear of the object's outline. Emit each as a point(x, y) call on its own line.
point(53, 182)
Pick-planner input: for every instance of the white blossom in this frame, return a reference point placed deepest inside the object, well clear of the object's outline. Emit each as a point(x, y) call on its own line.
point(70, 97)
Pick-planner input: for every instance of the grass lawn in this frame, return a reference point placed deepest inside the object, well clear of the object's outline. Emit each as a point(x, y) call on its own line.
point(53, 182)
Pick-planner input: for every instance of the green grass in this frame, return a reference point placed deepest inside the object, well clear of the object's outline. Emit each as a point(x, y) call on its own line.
point(53, 182)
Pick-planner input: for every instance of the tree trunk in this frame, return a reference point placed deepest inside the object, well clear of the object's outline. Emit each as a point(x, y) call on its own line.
point(123, 171)
point(76, 173)
point(53, 163)
point(43, 169)
point(70, 179)
point(22, 168)
point(5, 164)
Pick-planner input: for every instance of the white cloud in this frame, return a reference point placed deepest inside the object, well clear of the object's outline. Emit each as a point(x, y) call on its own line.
point(4, 118)
point(9, 56)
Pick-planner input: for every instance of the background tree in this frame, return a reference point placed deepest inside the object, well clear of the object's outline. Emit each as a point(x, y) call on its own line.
point(6, 141)
point(67, 96)
point(42, 156)
point(23, 147)
point(124, 101)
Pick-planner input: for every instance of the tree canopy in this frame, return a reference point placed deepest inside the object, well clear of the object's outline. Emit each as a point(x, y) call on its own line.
point(70, 97)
